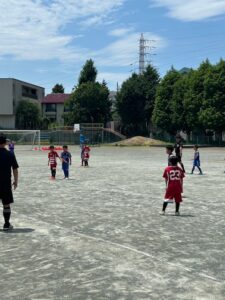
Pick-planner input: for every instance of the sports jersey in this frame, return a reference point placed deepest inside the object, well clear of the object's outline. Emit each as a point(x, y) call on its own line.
point(85, 154)
point(177, 148)
point(196, 159)
point(11, 147)
point(66, 156)
point(52, 156)
point(174, 178)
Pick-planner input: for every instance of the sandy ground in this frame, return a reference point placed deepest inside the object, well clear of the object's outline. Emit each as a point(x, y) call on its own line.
point(99, 235)
point(140, 141)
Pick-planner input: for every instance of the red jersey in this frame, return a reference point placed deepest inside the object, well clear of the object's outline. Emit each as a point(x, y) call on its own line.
point(174, 178)
point(86, 151)
point(52, 156)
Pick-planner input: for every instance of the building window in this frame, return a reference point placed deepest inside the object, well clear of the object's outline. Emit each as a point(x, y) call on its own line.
point(50, 107)
point(29, 92)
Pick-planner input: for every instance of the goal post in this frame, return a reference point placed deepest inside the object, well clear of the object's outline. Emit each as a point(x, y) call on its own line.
point(24, 137)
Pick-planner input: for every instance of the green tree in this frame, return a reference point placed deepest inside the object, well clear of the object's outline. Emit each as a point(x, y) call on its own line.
point(212, 112)
point(89, 103)
point(163, 109)
point(150, 83)
point(27, 115)
point(88, 73)
point(194, 97)
point(58, 89)
point(130, 105)
point(135, 102)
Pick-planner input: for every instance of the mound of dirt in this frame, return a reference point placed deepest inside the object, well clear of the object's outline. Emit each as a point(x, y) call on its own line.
point(140, 141)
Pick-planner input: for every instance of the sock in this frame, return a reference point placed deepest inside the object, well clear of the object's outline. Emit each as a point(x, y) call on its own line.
point(6, 214)
point(164, 206)
point(177, 207)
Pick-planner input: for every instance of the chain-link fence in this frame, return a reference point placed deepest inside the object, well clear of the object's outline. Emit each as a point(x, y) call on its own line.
point(193, 139)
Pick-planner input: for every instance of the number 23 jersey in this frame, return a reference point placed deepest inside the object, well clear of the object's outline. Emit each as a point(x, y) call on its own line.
point(174, 178)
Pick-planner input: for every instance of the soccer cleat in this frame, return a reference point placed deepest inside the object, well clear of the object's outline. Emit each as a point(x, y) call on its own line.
point(7, 227)
point(177, 213)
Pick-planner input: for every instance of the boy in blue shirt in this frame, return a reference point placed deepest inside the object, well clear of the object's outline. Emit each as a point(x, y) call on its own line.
point(196, 161)
point(66, 161)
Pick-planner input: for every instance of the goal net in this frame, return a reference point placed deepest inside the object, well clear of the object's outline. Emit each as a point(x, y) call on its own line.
point(30, 138)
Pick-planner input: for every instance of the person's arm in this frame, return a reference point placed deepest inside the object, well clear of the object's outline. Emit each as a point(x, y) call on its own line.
point(15, 175)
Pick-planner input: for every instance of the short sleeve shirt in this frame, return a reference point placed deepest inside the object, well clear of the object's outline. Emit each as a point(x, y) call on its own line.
point(66, 156)
point(7, 163)
point(174, 176)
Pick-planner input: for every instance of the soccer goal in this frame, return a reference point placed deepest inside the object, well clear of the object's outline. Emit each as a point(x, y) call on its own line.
point(30, 138)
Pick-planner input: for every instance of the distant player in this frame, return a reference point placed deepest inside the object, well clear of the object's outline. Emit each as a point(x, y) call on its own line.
point(178, 148)
point(11, 146)
point(52, 161)
point(8, 165)
point(174, 178)
point(196, 161)
point(66, 159)
point(169, 152)
point(85, 155)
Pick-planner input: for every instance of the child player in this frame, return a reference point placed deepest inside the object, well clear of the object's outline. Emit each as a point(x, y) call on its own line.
point(178, 147)
point(52, 161)
point(66, 161)
point(85, 155)
point(174, 177)
point(169, 152)
point(196, 161)
point(11, 146)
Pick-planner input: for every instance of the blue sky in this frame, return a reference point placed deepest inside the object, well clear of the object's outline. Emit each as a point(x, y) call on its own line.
point(47, 41)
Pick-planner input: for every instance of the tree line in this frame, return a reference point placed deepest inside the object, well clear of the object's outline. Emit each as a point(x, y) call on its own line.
point(188, 100)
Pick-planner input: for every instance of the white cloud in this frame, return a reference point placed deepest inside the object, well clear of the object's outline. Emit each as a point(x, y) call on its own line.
point(124, 51)
point(120, 32)
point(192, 10)
point(31, 30)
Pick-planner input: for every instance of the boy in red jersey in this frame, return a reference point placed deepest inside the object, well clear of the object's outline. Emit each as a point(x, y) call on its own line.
point(85, 155)
point(52, 161)
point(174, 185)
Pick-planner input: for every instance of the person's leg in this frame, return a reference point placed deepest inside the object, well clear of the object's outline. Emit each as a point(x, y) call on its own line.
point(193, 169)
point(200, 170)
point(6, 213)
point(164, 206)
point(177, 207)
point(66, 172)
point(53, 172)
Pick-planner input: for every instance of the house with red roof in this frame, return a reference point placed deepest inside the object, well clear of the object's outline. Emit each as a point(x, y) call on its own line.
point(53, 107)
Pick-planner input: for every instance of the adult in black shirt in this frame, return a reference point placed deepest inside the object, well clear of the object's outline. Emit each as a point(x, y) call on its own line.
point(8, 164)
point(178, 150)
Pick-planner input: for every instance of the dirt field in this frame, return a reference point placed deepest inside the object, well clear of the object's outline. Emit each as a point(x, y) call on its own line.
point(99, 235)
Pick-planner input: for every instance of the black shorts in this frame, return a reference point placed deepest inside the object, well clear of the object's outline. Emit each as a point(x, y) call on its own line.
point(6, 195)
point(179, 158)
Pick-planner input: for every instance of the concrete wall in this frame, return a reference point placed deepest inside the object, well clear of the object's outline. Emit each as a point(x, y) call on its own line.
point(6, 97)
point(7, 121)
point(11, 93)
point(56, 115)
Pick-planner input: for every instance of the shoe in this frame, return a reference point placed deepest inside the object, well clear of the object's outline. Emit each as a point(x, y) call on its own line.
point(7, 227)
point(177, 213)
point(162, 213)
